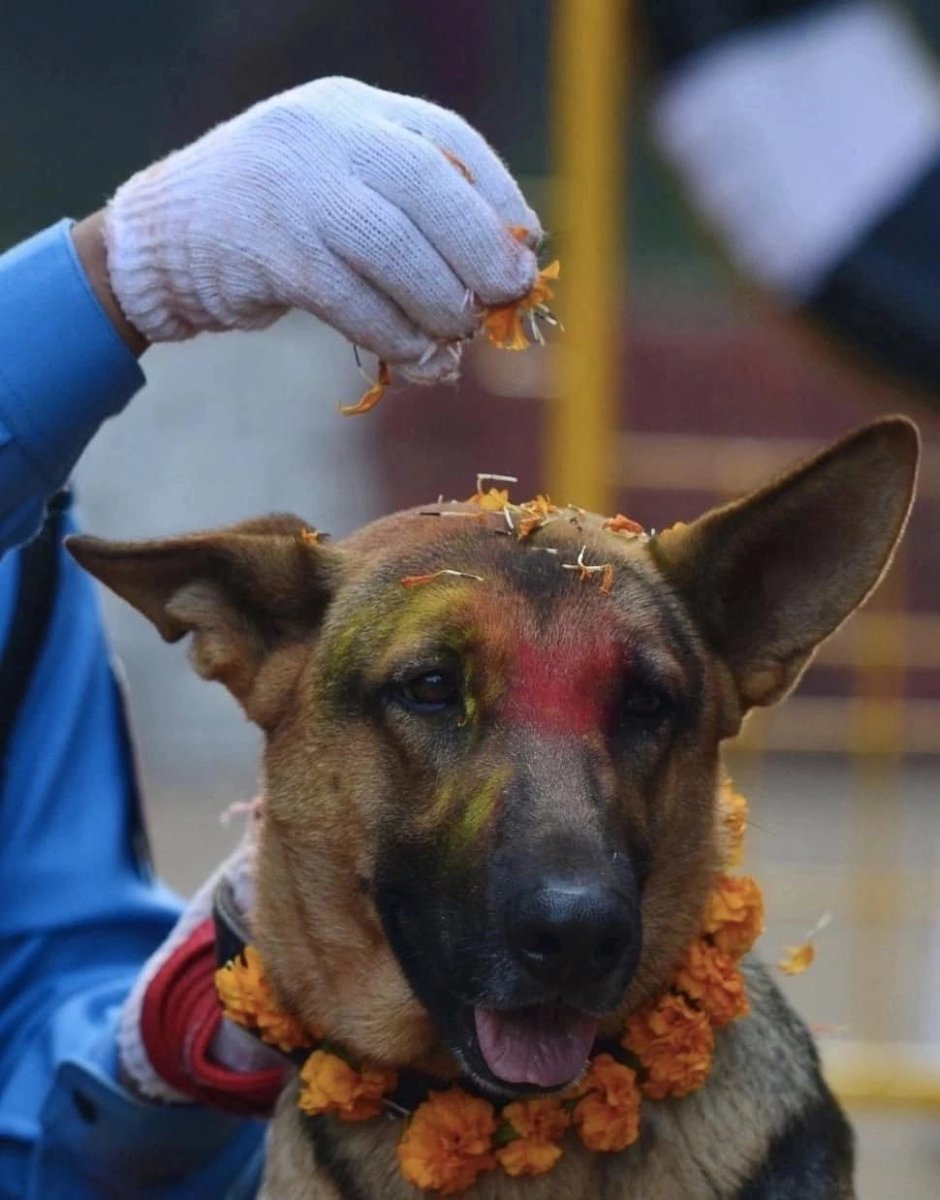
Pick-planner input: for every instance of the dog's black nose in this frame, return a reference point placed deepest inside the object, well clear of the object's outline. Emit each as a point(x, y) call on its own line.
point(572, 933)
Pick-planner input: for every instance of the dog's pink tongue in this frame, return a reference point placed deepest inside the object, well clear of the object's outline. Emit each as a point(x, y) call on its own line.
point(545, 1046)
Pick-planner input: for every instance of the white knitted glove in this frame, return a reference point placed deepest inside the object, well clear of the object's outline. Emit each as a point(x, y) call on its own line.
point(386, 216)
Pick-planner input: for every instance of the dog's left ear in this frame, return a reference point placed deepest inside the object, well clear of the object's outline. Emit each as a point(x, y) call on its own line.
point(769, 577)
point(249, 595)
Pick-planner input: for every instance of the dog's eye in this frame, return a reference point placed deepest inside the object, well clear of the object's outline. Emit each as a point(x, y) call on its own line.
point(646, 703)
point(432, 692)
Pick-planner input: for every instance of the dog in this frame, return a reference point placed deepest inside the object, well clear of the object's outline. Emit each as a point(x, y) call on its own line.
point(490, 771)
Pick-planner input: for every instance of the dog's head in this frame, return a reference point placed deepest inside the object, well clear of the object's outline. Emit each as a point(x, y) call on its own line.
point(490, 797)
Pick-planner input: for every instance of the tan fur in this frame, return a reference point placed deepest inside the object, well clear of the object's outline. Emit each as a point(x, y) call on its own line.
point(731, 608)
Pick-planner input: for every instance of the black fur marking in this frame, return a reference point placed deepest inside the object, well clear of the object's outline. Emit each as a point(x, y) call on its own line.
point(811, 1159)
point(330, 1160)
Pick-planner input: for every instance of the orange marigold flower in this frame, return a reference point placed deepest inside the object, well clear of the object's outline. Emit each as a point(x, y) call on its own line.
point(732, 809)
point(539, 1124)
point(503, 322)
point(734, 914)
point(674, 1042)
point(448, 1142)
point(712, 979)
point(328, 1084)
point(279, 1028)
point(247, 999)
point(608, 1117)
point(528, 1156)
point(622, 524)
point(542, 1117)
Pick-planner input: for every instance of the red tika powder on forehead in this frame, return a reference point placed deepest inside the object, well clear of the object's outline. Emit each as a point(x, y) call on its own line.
point(564, 688)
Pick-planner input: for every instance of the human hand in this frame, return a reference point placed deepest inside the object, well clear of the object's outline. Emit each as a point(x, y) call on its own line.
point(386, 216)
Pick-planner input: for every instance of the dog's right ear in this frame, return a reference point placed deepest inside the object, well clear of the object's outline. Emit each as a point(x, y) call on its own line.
point(248, 594)
point(769, 577)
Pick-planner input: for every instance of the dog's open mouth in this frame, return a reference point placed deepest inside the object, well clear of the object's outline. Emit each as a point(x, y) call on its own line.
point(544, 1046)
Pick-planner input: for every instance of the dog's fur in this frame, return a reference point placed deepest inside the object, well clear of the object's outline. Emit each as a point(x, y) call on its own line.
point(586, 731)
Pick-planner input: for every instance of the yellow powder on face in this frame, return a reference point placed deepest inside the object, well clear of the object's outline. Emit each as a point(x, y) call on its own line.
point(478, 809)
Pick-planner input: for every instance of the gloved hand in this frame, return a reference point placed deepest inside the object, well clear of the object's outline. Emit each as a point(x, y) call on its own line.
point(174, 1044)
point(386, 216)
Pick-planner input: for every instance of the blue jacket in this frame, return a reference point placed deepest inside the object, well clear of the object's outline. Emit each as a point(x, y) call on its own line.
point(79, 908)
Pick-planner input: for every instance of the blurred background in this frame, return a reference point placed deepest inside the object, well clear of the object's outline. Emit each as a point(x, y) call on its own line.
point(746, 200)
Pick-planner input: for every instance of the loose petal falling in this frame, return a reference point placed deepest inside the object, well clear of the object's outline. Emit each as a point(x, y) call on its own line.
point(370, 398)
point(797, 959)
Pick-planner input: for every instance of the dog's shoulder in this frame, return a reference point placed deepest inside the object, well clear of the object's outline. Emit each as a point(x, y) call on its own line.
point(810, 1155)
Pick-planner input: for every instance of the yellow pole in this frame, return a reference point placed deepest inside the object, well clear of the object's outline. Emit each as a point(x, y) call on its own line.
point(877, 815)
point(589, 135)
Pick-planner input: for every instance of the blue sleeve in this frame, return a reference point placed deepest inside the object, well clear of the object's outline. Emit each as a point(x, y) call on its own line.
point(79, 910)
point(79, 914)
point(63, 370)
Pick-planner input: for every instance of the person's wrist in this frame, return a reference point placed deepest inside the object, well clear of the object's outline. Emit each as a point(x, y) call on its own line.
point(89, 241)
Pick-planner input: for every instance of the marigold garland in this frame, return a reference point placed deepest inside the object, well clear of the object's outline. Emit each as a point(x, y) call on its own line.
point(536, 1126)
point(732, 809)
point(448, 1142)
point(713, 980)
point(247, 999)
point(734, 914)
point(608, 1117)
point(673, 1040)
point(328, 1084)
point(452, 1137)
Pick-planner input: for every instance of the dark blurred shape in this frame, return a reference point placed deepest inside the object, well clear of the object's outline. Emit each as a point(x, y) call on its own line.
point(91, 93)
point(680, 28)
point(884, 298)
point(807, 135)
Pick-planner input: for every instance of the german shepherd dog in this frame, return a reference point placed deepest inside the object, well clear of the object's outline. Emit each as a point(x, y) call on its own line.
point(490, 801)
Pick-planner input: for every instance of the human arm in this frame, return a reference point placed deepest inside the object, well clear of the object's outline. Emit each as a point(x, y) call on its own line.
point(63, 370)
